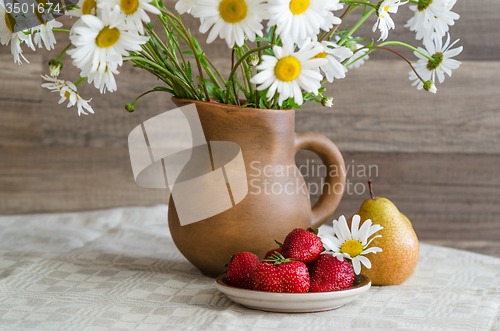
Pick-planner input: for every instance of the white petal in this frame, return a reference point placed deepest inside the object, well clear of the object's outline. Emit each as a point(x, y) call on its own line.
point(356, 265)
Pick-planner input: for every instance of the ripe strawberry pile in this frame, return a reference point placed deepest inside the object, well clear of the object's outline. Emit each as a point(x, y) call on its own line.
point(296, 266)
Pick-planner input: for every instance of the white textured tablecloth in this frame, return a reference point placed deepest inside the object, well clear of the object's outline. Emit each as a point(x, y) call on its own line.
point(117, 270)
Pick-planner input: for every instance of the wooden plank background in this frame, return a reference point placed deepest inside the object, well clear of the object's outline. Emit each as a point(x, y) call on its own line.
point(437, 155)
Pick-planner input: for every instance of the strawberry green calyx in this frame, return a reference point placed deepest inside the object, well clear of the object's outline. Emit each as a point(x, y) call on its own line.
point(277, 242)
point(278, 259)
point(315, 231)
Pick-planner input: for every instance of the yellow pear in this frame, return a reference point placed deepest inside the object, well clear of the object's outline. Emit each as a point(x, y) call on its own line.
point(399, 243)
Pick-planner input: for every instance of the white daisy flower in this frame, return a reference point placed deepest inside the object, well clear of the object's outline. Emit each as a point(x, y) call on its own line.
point(103, 78)
point(45, 34)
point(334, 55)
point(432, 18)
point(443, 62)
point(184, 6)
point(100, 42)
point(330, 18)
point(8, 25)
point(231, 19)
point(302, 19)
point(352, 244)
point(83, 7)
point(289, 71)
point(353, 46)
point(384, 20)
point(67, 90)
point(133, 12)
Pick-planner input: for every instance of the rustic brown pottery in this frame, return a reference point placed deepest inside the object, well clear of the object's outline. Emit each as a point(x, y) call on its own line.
point(268, 139)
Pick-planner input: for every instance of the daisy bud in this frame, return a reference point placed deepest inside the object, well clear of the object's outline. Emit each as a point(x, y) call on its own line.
point(55, 67)
point(253, 60)
point(430, 87)
point(327, 101)
point(130, 107)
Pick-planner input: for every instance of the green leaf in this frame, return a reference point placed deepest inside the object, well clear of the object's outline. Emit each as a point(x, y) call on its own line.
point(247, 94)
point(315, 231)
point(269, 51)
point(213, 91)
point(262, 39)
point(262, 103)
point(163, 88)
point(188, 52)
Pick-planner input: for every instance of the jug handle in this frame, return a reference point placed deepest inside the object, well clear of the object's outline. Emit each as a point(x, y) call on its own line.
point(331, 157)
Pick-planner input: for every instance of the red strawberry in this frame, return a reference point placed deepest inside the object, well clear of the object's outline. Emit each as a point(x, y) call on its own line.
point(282, 275)
point(329, 274)
point(241, 270)
point(272, 252)
point(302, 245)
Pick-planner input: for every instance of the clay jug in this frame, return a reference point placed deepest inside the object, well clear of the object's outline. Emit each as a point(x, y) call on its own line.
point(277, 199)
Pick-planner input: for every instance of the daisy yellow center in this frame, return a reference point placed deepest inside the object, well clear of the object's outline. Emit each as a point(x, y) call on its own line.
point(67, 95)
point(39, 11)
point(129, 6)
point(297, 7)
point(233, 11)
point(287, 69)
point(352, 247)
point(386, 8)
point(88, 6)
point(321, 55)
point(10, 22)
point(437, 59)
point(423, 4)
point(107, 37)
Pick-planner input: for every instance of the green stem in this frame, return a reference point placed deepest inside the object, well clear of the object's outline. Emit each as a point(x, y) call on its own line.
point(402, 56)
point(231, 75)
point(64, 51)
point(232, 78)
point(61, 30)
point(406, 45)
point(361, 21)
point(359, 3)
point(216, 71)
point(191, 45)
point(246, 74)
point(80, 80)
point(140, 96)
point(155, 65)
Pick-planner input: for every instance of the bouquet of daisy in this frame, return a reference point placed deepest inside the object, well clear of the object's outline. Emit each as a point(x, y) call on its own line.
point(283, 51)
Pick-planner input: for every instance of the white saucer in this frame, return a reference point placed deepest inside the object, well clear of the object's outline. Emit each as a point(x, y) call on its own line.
point(294, 302)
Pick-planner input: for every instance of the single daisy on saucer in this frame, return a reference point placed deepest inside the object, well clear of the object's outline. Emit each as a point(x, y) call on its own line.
point(133, 12)
point(301, 19)
point(67, 90)
point(102, 41)
point(352, 244)
point(287, 72)
point(231, 19)
point(442, 63)
point(334, 55)
point(384, 20)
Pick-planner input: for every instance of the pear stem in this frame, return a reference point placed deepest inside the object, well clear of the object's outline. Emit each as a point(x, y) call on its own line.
point(371, 189)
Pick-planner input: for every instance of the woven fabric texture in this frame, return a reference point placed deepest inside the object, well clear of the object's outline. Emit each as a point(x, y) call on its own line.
point(118, 269)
